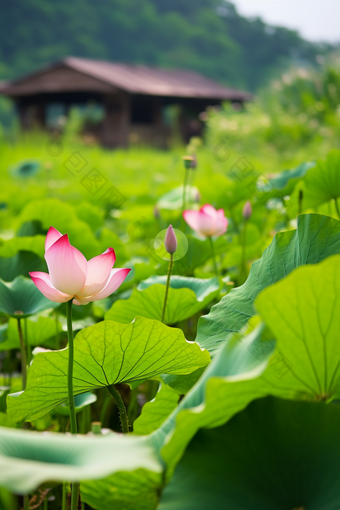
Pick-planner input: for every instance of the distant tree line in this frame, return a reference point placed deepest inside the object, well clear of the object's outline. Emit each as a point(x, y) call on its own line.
point(207, 36)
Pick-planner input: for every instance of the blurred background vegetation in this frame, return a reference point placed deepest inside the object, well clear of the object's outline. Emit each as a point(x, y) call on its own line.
point(208, 36)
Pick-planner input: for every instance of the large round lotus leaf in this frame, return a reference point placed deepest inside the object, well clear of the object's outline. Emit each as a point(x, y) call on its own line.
point(20, 264)
point(28, 459)
point(187, 296)
point(316, 238)
point(275, 455)
point(104, 354)
point(20, 298)
point(26, 168)
point(80, 401)
point(284, 183)
point(174, 199)
point(322, 182)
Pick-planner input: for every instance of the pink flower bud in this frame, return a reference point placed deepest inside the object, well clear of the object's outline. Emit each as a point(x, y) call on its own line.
point(170, 241)
point(247, 210)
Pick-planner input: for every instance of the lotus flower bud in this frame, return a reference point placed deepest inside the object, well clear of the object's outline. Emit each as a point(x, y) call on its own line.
point(188, 161)
point(194, 162)
point(247, 210)
point(170, 241)
point(197, 197)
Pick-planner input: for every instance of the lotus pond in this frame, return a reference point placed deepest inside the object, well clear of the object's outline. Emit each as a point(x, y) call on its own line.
point(169, 333)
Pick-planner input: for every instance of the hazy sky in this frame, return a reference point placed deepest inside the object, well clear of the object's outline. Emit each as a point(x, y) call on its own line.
point(316, 20)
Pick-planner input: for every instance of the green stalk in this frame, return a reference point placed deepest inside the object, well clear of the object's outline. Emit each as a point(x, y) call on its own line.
point(243, 256)
point(63, 497)
point(300, 201)
point(185, 185)
point(213, 257)
point(23, 355)
point(57, 336)
point(73, 421)
point(124, 420)
point(26, 502)
point(337, 207)
point(171, 265)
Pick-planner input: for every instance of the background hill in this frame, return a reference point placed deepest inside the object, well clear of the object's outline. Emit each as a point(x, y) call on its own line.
point(208, 36)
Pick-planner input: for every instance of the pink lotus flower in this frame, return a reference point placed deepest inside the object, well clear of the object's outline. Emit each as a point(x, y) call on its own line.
point(207, 221)
point(72, 276)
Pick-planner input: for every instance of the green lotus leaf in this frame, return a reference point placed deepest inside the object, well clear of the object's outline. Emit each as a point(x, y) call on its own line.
point(172, 437)
point(275, 454)
point(105, 354)
point(80, 401)
point(303, 313)
point(228, 192)
point(174, 198)
point(20, 264)
point(316, 238)
point(182, 383)
point(26, 168)
point(187, 296)
point(63, 217)
point(254, 366)
point(91, 214)
point(283, 183)
point(155, 412)
point(34, 244)
point(41, 331)
point(8, 501)
point(302, 366)
point(28, 459)
point(5, 421)
point(3, 332)
point(20, 298)
point(137, 490)
point(322, 182)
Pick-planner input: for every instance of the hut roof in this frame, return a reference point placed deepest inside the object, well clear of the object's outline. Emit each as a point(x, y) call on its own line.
point(82, 74)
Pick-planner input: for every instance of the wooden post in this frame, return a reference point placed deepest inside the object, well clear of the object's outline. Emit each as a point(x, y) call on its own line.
point(116, 124)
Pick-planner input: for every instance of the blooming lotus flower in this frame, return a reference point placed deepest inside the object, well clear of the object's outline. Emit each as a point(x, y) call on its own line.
point(207, 221)
point(72, 276)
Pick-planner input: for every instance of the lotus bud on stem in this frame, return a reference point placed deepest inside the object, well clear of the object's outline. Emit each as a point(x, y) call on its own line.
point(188, 163)
point(170, 241)
point(247, 210)
point(170, 244)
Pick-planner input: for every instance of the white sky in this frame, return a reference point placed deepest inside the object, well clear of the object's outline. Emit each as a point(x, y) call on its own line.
point(316, 20)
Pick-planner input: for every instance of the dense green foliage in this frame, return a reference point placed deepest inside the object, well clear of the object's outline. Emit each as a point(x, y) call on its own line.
point(232, 401)
point(208, 36)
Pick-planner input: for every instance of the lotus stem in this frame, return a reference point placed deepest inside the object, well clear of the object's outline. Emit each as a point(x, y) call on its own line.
point(300, 201)
point(337, 207)
point(63, 497)
point(73, 420)
point(243, 256)
point(185, 185)
point(26, 501)
point(171, 265)
point(124, 420)
point(23, 355)
point(214, 257)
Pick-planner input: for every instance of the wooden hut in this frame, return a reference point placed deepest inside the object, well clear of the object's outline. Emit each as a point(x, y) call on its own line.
point(133, 99)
